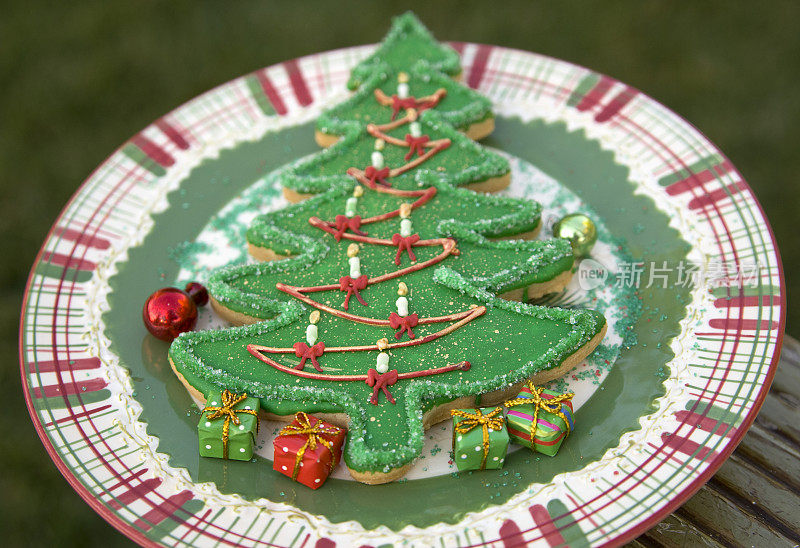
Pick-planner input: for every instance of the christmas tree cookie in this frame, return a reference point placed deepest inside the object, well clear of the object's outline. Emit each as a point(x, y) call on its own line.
point(412, 151)
point(407, 42)
point(377, 304)
point(421, 88)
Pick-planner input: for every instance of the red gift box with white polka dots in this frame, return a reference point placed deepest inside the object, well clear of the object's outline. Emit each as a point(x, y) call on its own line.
point(316, 464)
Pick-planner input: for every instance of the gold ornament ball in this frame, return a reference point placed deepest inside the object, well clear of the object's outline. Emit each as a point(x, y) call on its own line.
point(579, 230)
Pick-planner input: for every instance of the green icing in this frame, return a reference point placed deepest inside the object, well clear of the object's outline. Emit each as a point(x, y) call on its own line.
point(461, 106)
point(510, 342)
point(407, 42)
point(463, 162)
point(524, 339)
point(318, 260)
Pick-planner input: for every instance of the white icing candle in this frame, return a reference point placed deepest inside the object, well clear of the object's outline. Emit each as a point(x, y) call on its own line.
point(415, 129)
point(405, 228)
point(402, 306)
point(355, 267)
point(377, 160)
point(350, 206)
point(382, 363)
point(311, 334)
point(402, 90)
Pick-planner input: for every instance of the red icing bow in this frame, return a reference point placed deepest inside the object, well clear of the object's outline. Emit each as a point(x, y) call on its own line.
point(376, 175)
point(381, 382)
point(346, 283)
point(398, 103)
point(305, 352)
point(343, 223)
point(403, 323)
point(404, 243)
point(415, 144)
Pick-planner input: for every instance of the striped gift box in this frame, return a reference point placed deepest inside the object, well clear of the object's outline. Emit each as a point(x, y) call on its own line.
point(550, 429)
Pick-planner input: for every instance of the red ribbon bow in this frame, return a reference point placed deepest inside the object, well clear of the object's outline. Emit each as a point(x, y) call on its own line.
point(398, 103)
point(404, 323)
point(305, 352)
point(404, 243)
point(346, 283)
point(415, 144)
point(376, 175)
point(381, 382)
point(344, 223)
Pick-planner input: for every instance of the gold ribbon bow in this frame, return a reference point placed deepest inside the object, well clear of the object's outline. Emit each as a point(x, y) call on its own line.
point(304, 428)
point(486, 422)
point(229, 401)
point(551, 406)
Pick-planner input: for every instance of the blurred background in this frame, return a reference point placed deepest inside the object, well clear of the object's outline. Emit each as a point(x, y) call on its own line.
point(78, 79)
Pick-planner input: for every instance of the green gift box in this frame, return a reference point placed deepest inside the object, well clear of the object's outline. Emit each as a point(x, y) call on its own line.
point(540, 419)
point(480, 441)
point(228, 426)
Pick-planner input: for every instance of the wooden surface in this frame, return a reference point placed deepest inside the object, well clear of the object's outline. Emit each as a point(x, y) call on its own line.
point(754, 499)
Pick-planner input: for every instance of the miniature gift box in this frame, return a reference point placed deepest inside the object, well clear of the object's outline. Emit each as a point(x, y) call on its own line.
point(480, 439)
point(540, 419)
point(308, 449)
point(228, 426)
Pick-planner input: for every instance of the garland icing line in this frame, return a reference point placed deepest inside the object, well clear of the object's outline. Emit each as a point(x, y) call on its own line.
point(354, 286)
point(373, 379)
point(361, 176)
point(448, 245)
point(257, 349)
point(424, 197)
point(319, 223)
point(397, 103)
point(369, 176)
point(434, 147)
point(294, 292)
point(373, 178)
point(407, 119)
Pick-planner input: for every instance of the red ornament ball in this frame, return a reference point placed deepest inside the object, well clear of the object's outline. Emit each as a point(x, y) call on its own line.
point(198, 293)
point(170, 311)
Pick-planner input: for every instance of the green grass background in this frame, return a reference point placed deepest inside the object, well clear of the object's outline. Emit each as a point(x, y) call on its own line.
point(78, 79)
